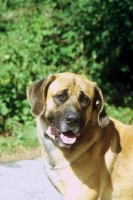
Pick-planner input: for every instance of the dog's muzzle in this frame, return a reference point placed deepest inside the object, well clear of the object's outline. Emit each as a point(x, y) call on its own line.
point(64, 139)
point(65, 128)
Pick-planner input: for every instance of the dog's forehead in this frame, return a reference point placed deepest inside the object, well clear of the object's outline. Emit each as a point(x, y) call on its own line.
point(71, 82)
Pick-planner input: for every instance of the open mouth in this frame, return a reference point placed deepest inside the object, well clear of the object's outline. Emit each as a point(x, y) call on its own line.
point(67, 137)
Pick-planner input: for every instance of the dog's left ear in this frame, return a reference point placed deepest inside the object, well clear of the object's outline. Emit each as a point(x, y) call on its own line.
point(103, 119)
point(36, 95)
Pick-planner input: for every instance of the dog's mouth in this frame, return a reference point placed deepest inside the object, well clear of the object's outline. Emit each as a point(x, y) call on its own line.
point(67, 137)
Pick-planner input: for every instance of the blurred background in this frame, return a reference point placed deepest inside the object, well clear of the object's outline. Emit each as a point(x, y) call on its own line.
point(40, 37)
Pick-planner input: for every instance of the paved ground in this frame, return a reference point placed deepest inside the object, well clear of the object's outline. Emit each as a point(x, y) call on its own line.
point(26, 180)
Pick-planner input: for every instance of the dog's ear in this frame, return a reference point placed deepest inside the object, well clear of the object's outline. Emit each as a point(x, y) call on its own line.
point(103, 119)
point(37, 93)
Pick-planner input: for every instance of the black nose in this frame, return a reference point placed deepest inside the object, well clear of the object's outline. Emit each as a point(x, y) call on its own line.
point(72, 120)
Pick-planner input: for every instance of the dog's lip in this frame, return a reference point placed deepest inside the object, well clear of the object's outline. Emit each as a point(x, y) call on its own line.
point(67, 137)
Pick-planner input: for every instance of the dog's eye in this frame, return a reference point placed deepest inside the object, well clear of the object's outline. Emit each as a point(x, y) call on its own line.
point(60, 97)
point(84, 100)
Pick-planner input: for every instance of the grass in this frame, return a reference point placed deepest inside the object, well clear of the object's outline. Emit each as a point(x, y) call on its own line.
point(19, 144)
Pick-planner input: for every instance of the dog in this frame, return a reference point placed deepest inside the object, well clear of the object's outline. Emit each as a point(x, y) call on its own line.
point(88, 155)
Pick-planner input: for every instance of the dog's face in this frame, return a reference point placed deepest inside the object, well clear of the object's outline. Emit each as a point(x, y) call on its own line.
point(67, 101)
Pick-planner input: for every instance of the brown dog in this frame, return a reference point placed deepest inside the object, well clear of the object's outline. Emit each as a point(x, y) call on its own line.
point(88, 155)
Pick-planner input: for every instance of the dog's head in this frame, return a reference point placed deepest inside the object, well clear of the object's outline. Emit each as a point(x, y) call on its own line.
point(67, 101)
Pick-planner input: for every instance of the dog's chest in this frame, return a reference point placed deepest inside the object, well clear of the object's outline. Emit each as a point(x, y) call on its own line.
point(69, 184)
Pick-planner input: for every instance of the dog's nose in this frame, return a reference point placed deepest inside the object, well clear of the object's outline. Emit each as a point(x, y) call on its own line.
point(72, 120)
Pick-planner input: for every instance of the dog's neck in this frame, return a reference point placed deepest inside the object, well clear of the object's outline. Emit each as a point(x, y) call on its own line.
point(59, 157)
point(67, 155)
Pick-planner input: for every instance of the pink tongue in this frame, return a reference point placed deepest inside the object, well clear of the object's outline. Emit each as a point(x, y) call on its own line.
point(68, 139)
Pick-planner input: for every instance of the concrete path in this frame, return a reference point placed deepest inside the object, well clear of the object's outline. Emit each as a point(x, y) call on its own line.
point(26, 180)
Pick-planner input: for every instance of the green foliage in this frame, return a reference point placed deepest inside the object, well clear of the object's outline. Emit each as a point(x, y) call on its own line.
point(102, 37)
point(42, 37)
point(124, 115)
point(20, 136)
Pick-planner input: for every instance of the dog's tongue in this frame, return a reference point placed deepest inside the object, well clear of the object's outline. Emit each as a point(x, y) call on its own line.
point(68, 137)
